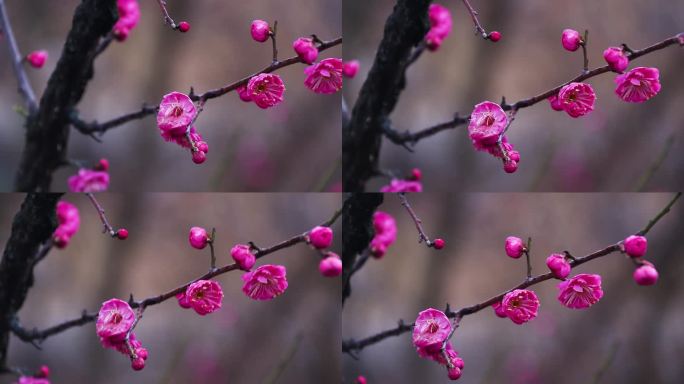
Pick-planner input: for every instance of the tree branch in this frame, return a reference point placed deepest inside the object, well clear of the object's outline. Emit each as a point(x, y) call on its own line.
point(351, 346)
point(24, 86)
point(87, 317)
point(47, 132)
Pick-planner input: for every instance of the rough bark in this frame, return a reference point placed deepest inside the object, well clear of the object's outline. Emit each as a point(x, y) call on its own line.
point(405, 28)
point(32, 226)
point(47, 131)
point(357, 231)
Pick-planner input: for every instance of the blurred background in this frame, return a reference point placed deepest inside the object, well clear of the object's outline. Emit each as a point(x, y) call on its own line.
point(632, 335)
point(244, 342)
point(608, 150)
point(292, 147)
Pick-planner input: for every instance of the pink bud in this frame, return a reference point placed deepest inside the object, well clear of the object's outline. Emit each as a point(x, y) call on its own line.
point(137, 364)
point(198, 237)
point(635, 246)
point(183, 26)
point(243, 256)
point(416, 174)
point(350, 68)
point(616, 59)
point(199, 157)
point(44, 372)
point(514, 247)
point(305, 49)
point(60, 241)
point(438, 243)
point(37, 58)
point(321, 237)
point(260, 30)
point(142, 353)
point(494, 36)
point(646, 275)
point(514, 156)
point(499, 310)
point(510, 166)
point(330, 266)
point(571, 40)
point(102, 165)
point(122, 234)
point(202, 146)
point(455, 372)
point(361, 380)
point(558, 265)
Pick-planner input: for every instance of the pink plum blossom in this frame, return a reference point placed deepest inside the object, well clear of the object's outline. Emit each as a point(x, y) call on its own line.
point(260, 30)
point(265, 283)
point(487, 122)
point(68, 223)
point(37, 58)
point(616, 59)
point(114, 320)
point(558, 265)
point(577, 99)
point(580, 291)
point(266, 90)
point(243, 256)
point(440, 26)
point(320, 237)
point(571, 39)
point(646, 274)
point(499, 310)
point(520, 305)
point(176, 112)
point(183, 300)
point(351, 68)
point(305, 49)
point(331, 265)
point(129, 14)
point(244, 94)
point(204, 296)
point(638, 85)
point(385, 233)
point(399, 185)
point(635, 246)
point(556, 104)
point(87, 180)
point(514, 247)
point(325, 76)
point(431, 329)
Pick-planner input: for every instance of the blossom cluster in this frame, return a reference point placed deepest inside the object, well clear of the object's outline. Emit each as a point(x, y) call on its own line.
point(94, 179)
point(440, 26)
point(431, 332)
point(115, 321)
point(68, 221)
point(487, 127)
point(385, 233)
point(321, 238)
point(129, 15)
point(410, 184)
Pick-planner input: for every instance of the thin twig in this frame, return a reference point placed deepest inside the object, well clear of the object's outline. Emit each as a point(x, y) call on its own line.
point(167, 18)
point(584, 51)
point(473, 14)
point(17, 59)
point(272, 35)
point(107, 228)
point(354, 346)
point(527, 250)
point(422, 236)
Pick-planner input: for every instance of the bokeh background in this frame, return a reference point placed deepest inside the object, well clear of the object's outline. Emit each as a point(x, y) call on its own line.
point(292, 147)
point(608, 150)
point(244, 342)
point(640, 327)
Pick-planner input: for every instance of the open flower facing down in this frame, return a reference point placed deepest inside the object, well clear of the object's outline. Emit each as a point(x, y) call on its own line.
point(580, 291)
point(114, 320)
point(577, 99)
point(265, 283)
point(266, 90)
point(87, 180)
point(638, 85)
point(325, 76)
point(520, 305)
point(431, 329)
point(487, 122)
point(204, 296)
point(176, 112)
